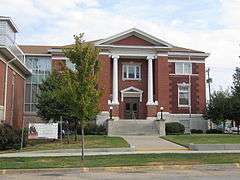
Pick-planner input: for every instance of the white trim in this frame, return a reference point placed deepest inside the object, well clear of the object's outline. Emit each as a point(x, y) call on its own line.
point(130, 32)
point(131, 94)
point(189, 94)
point(31, 54)
point(200, 54)
point(104, 53)
point(162, 54)
point(59, 58)
point(183, 74)
point(192, 61)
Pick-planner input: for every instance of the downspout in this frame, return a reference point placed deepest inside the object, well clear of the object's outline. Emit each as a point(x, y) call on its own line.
point(6, 88)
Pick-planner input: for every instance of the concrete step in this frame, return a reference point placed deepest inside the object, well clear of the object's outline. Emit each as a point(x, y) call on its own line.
point(132, 127)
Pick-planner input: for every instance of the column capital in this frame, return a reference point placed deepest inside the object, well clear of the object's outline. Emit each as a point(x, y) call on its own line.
point(151, 57)
point(115, 56)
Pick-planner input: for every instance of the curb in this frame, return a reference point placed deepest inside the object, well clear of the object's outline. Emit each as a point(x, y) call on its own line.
point(123, 169)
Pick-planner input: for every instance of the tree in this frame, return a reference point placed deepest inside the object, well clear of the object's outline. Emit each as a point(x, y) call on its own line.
point(79, 89)
point(218, 108)
point(235, 99)
point(50, 106)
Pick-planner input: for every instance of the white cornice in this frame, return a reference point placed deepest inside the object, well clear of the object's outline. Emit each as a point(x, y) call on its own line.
point(188, 54)
point(192, 61)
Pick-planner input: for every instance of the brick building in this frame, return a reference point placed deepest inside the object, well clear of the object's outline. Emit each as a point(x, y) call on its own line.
point(139, 74)
point(13, 73)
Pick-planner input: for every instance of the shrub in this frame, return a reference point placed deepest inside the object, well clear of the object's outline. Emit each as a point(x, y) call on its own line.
point(94, 129)
point(174, 128)
point(10, 138)
point(196, 131)
point(214, 131)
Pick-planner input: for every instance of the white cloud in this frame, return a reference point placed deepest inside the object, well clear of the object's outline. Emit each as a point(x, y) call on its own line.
point(55, 22)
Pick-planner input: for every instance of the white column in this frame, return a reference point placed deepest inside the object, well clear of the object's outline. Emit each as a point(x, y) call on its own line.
point(115, 80)
point(150, 81)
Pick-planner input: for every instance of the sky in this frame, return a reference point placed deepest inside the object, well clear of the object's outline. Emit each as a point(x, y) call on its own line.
point(212, 26)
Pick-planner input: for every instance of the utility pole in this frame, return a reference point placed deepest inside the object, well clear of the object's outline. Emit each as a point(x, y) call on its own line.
point(209, 81)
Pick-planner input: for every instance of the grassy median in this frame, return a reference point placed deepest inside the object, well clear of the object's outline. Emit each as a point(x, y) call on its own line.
point(204, 139)
point(91, 141)
point(117, 160)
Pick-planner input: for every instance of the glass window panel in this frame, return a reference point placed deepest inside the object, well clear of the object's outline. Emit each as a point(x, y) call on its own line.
point(183, 95)
point(28, 93)
point(179, 68)
point(127, 106)
point(27, 107)
point(134, 106)
point(137, 72)
point(131, 72)
point(34, 93)
point(125, 71)
point(187, 68)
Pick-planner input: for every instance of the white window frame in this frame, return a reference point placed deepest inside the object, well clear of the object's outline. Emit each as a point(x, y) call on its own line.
point(135, 73)
point(189, 95)
point(183, 68)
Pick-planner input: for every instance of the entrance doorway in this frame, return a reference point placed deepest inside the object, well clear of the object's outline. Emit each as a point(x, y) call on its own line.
point(131, 108)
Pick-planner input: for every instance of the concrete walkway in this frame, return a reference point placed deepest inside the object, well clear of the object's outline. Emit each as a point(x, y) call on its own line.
point(152, 143)
point(78, 153)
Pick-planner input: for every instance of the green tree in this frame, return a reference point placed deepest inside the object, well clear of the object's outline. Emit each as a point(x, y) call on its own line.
point(79, 88)
point(50, 106)
point(218, 108)
point(235, 99)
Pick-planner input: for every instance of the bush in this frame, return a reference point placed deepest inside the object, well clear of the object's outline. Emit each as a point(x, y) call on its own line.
point(94, 129)
point(196, 131)
point(10, 138)
point(214, 131)
point(174, 128)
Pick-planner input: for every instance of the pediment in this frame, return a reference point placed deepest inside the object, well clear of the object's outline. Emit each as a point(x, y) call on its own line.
point(133, 37)
point(131, 90)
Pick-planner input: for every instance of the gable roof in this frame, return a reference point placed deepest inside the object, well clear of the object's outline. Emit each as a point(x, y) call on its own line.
point(36, 49)
point(134, 32)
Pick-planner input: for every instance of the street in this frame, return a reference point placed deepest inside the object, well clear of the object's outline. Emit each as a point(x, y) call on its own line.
point(199, 173)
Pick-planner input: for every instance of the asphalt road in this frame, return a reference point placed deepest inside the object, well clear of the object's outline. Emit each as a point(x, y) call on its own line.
point(212, 174)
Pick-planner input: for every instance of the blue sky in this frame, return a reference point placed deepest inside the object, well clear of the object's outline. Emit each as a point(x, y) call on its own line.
point(208, 25)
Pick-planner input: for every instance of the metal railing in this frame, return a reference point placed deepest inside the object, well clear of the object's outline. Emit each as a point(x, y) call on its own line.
point(6, 41)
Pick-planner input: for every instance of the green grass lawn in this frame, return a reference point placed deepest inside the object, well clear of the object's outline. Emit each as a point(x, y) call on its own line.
point(91, 141)
point(117, 160)
point(204, 139)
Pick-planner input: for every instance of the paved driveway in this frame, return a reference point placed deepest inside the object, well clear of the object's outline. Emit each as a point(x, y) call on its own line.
point(151, 143)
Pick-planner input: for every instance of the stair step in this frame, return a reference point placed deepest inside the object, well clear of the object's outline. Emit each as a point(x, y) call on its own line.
point(132, 127)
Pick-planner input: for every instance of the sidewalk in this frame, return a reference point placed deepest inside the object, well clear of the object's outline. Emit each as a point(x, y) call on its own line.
point(152, 143)
point(89, 152)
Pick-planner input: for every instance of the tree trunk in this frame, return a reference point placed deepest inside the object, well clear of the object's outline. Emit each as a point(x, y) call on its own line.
point(82, 137)
point(224, 126)
point(75, 129)
point(238, 127)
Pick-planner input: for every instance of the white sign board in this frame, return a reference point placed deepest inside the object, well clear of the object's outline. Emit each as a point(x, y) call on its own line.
point(43, 131)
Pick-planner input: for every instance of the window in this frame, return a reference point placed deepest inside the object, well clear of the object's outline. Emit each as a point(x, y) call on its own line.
point(41, 68)
point(131, 72)
point(183, 68)
point(183, 95)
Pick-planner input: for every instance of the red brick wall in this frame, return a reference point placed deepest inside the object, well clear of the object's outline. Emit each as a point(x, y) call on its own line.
point(19, 101)
point(2, 80)
point(15, 99)
point(197, 89)
point(140, 84)
point(162, 83)
point(10, 96)
point(133, 40)
point(105, 81)
point(58, 65)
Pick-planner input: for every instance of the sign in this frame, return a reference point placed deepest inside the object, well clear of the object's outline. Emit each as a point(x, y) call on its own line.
point(43, 131)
